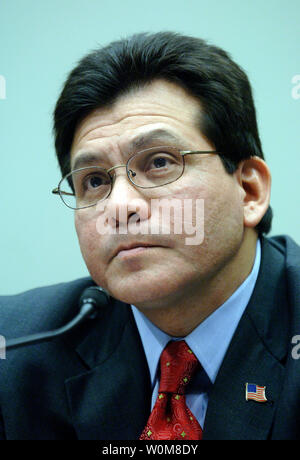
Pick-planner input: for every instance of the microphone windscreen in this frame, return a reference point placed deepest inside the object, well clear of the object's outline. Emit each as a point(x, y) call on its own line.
point(95, 295)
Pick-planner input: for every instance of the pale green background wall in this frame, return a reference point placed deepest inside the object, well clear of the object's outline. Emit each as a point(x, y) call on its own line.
point(40, 41)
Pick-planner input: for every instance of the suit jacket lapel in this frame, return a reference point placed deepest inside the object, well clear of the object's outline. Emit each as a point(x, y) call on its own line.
point(255, 355)
point(112, 399)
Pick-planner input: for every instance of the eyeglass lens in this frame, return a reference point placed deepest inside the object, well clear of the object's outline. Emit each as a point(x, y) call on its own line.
point(155, 167)
point(149, 168)
point(90, 185)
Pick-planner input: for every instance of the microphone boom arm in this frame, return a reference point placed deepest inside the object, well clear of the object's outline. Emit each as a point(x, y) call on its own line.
point(45, 336)
point(91, 300)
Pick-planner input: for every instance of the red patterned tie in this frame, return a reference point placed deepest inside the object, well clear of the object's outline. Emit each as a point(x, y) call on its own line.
point(170, 417)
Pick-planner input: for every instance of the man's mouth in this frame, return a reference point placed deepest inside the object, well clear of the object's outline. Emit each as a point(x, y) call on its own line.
point(133, 249)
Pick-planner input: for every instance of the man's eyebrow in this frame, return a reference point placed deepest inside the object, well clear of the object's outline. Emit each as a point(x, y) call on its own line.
point(85, 159)
point(141, 141)
point(144, 140)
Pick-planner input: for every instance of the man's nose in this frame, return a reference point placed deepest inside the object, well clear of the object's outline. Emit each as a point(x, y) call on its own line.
point(126, 202)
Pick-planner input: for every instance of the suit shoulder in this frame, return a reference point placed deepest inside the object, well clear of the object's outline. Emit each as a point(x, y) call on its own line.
point(290, 251)
point(40, 308)
point(288, 247)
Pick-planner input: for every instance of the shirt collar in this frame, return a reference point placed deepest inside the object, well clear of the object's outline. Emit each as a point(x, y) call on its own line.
point(210, 340)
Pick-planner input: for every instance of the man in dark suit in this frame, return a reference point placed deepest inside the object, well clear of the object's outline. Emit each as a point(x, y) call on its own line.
point(157, 140)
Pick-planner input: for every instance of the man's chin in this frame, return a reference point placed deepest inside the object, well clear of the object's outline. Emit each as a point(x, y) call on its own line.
point(141, 295)
point(139, 299)
point(145, 288)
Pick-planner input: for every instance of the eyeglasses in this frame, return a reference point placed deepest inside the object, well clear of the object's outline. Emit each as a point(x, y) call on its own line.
point(150, 168)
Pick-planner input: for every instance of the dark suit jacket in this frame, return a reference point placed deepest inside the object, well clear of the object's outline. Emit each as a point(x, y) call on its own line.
point(94, 384)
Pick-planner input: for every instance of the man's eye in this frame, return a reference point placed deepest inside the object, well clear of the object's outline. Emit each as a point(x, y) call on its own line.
point(95, 181)
point(159, 162)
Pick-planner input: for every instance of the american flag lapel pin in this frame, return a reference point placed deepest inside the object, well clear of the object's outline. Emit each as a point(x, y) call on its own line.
point(255, 392)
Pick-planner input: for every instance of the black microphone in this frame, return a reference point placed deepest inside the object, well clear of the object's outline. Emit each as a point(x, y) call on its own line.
point(92, 300)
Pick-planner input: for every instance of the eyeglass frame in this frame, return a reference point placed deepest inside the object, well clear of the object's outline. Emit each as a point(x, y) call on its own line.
point(57, 191)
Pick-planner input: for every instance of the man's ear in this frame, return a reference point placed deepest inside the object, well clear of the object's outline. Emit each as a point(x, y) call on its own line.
point(254, 178)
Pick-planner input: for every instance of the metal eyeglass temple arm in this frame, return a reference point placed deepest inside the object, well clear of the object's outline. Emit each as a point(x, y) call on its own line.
point(57, 192)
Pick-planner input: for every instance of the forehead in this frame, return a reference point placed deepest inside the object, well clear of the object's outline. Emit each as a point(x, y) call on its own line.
point(160, 107)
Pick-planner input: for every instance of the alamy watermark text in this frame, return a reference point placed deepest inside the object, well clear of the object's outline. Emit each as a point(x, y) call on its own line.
point(296, 87)
point(2, 87)
point(168, 216)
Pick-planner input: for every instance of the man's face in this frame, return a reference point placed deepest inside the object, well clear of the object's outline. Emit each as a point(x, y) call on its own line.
point(167, 269)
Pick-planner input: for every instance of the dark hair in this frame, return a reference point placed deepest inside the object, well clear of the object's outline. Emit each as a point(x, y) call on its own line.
point(228, 116)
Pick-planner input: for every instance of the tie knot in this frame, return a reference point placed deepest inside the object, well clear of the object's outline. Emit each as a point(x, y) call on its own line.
point(177, 365)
